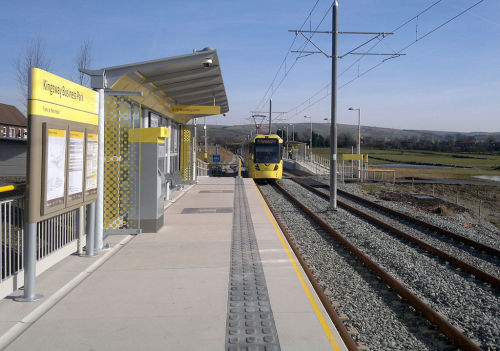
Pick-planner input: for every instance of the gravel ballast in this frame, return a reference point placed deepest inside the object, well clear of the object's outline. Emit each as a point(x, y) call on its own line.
point(466, 302)
point(382, 320)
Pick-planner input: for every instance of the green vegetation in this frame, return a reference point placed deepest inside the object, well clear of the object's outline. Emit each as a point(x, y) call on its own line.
point(465, 165)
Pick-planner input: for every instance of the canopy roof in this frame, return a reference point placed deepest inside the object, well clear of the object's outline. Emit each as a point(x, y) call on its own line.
point(192, 79)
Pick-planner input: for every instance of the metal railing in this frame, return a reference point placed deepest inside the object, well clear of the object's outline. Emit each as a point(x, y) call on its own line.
point(55, 239)
point(11, 236)
point(56, 232)
point(201, 168)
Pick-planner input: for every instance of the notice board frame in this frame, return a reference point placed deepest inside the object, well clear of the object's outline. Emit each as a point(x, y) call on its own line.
point(55, 103)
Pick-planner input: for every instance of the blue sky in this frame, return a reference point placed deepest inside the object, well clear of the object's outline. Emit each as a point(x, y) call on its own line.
point(449, 80)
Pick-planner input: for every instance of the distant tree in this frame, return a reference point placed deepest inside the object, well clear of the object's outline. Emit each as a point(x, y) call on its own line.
point(83, 61)
point(34, 55)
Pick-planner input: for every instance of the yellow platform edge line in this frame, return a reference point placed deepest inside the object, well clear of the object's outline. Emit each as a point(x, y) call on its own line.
point(319, 315)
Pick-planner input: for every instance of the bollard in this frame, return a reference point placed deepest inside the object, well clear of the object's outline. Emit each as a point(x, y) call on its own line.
point(29, 261)
point(90, 230)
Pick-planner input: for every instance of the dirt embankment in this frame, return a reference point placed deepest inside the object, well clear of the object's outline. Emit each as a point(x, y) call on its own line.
point(477, 203)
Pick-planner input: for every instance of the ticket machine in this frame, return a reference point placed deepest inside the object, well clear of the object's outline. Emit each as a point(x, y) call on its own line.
point(153, 184)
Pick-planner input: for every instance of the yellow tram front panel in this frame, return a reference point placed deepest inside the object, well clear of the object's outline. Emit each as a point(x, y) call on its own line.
point(264, 158)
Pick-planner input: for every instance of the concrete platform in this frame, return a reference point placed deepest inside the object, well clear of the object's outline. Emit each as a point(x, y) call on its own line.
point(169, 290)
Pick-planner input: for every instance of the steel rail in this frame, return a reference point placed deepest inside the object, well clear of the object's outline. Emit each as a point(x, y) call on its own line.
point(432, 316)
point(488, 249)
point(486, 277)
point(332, 313)
point(460, 238)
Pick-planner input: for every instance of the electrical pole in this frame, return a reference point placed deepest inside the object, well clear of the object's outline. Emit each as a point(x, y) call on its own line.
point(270, 113)
point(333, 122)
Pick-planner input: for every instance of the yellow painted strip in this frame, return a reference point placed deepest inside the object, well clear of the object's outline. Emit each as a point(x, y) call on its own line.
point(75, 135)
point(92, 136)
point(6, 188)
point(60, 133)
point(195, 109)
point(347, 157)
point(44, 108)
point(321, 318)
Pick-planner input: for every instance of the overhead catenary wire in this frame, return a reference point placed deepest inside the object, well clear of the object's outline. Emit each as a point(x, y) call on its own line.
point(261, 103)
point(272, 88)
point(359, 75)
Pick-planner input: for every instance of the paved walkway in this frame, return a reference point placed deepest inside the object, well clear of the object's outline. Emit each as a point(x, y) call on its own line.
point(169, 290)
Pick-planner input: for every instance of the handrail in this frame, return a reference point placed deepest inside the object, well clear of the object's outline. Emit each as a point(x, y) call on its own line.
point(6, 188)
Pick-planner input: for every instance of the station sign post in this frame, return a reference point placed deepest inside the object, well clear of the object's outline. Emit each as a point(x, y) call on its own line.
point(61, 159)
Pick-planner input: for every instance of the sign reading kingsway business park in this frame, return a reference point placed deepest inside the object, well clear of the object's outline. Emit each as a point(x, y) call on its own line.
point(62, 145)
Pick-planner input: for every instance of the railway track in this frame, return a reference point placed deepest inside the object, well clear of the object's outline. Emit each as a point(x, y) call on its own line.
point(436, 318)
point(411, 234)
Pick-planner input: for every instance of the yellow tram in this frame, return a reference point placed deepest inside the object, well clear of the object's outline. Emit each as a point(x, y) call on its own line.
point(265, 157)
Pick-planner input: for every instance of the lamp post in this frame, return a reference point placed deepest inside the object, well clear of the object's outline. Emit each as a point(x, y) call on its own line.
point(293, 132)
point(358, 147)
point(311, 138)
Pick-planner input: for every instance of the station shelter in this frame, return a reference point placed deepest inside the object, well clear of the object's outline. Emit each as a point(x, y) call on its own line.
point(149, 147)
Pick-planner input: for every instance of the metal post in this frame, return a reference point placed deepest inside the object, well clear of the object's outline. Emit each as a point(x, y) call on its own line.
point(206, 151)
point(91, 215)
point(333, 122)
point(29, 261)
point(99, 205)
point(270, 113)
point(359, 142)
point(293, 132)
point(193, 151)
point(168, 170)
point(287, 134)
point(311, 139)
point(81, 229)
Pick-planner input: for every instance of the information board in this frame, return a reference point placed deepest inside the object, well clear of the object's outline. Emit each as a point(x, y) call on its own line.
point(215, 158)
point(75, 165)
point(91, 167)
point(56, 167)
point(62, 145)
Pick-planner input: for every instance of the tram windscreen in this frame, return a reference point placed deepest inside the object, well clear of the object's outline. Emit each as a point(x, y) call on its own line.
point(267, 151)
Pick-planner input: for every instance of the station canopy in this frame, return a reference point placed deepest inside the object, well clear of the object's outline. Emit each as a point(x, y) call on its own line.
point(192, 79)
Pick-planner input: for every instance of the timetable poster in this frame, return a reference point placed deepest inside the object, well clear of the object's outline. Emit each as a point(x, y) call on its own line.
point(91, 167)
point(75, 165)
point(56, 167)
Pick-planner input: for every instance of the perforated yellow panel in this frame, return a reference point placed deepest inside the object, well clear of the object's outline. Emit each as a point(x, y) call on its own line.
point(186, 154)
point(121, 166)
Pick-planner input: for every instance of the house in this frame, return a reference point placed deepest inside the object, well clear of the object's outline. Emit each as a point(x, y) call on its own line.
point(13, 124)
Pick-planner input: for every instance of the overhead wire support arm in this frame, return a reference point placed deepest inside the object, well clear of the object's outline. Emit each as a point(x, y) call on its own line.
point(316, 46)
point(296, 31)
point(374, 54)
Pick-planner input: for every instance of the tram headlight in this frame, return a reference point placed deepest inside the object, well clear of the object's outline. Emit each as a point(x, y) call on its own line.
point(276, 167)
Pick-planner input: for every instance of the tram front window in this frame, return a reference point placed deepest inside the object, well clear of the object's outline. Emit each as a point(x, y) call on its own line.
point(267, 151)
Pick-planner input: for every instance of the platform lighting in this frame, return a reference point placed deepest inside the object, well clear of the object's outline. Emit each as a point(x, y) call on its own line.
point(358, 146)
point(311, 137)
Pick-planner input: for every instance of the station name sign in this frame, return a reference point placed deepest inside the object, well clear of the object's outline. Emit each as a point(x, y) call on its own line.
point(56, 97)
point(195, 109)
point(62, 145)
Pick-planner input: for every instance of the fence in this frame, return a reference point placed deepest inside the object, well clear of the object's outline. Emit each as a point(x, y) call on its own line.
point(319, 165)
point(56, 238)
point(201, 168)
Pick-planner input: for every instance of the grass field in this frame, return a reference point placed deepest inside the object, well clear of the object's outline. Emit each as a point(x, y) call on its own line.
point(465, 165)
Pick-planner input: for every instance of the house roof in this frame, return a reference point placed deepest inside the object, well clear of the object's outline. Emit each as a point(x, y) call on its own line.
point(12, 116)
